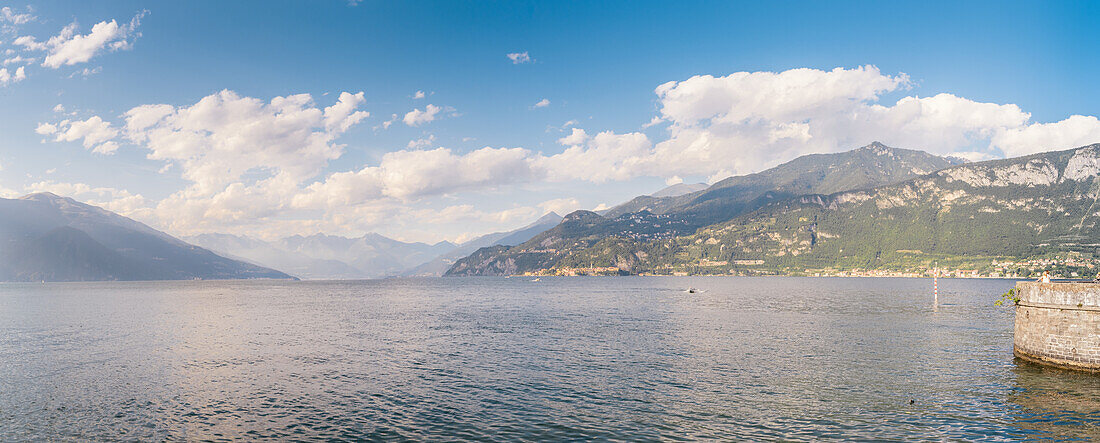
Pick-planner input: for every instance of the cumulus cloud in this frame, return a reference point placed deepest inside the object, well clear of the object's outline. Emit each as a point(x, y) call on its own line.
point(244, 158)
point(421, 142)
point(8, 17)
point(18, 60)
point(412, 174)
point(419, 95)
point(7, 77)
point(519, 57)
point(225, 136)
point(747, 121)
point(250, 161)
point(1077, 130)
point(653, 122)
point(94, 133)
point(343, 115)
point(576, 137)
point(541, 103)
point(416, 117)
point(603, 157)
point(68, 47)
point(29, 43)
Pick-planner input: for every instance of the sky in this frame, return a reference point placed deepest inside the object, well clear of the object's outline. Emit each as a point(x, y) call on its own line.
point(430, 121)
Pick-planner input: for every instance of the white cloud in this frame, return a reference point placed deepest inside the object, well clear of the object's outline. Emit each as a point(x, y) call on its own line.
point(29, 43)
point(7, 77)
point(416, 117)
point(542, 103)
point(225, 136)
point(386, 124)
point(421, 142)
point(748, 121)
point(408, 175)
point(10, 17)
point(576, 137)
point(1077, 130)
point(606, 156)
point(674, 180)
point(68, 48)
point(519, 57)
point(87, 72)
point(106, 148)
point(46, 128)
point(18, 60)
point(653, 122)
point(419, 95)
point(94, 133)
point(343, 115)
point(245, 158)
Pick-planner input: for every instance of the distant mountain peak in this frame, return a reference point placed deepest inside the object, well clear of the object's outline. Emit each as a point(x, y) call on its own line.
point(679, 189)
point(548, 218)
point(878, 148)
point(581, 215)
point(46, 196)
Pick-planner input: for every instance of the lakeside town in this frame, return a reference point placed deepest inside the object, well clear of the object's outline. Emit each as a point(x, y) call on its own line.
point(1062, 266)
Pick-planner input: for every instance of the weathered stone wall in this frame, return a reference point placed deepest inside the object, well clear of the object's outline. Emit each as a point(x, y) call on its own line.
point(1059, 324)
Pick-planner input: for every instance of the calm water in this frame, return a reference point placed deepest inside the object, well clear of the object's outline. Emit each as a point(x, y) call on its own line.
point(632, 358)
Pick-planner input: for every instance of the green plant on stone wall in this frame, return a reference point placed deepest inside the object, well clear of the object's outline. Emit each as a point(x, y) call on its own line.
point(1011, 295)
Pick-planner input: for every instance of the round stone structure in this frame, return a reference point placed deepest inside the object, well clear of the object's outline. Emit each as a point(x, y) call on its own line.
point(1058, 324)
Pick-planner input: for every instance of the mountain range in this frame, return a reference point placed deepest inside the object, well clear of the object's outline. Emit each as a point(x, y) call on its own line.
point(908, 215)
point(655, 218)
point(321, 256)
point(874, 208)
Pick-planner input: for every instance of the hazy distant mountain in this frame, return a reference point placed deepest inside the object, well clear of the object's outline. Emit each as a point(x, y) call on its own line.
point(323, 256)
point(267, 254)
point(649, 218)
point(373, 254)
point(51, 238)
point(441, 264)
point(679, 189)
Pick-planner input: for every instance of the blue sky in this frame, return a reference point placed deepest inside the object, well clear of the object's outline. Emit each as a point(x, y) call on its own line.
point(1011, 76)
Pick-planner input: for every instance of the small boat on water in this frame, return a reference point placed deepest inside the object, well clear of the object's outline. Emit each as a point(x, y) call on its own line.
point(537, 279)
point(692, 290)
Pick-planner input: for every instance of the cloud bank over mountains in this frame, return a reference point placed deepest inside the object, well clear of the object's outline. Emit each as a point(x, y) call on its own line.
point(255, 164)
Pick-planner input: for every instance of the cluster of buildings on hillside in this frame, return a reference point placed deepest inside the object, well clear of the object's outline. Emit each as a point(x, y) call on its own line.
point(652, 226)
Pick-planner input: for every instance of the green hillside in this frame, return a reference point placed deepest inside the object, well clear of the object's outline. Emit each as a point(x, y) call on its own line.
point(965, 217)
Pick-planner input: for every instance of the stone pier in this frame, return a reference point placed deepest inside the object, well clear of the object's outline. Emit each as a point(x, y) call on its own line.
point(1058, 324)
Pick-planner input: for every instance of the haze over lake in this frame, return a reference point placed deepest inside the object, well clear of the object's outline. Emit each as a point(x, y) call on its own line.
point(633, 358)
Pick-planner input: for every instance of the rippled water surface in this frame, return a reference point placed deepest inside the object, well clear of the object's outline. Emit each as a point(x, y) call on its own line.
point(632, 358)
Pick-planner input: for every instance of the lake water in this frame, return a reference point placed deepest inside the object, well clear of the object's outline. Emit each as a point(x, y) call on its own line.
point(630, 358)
